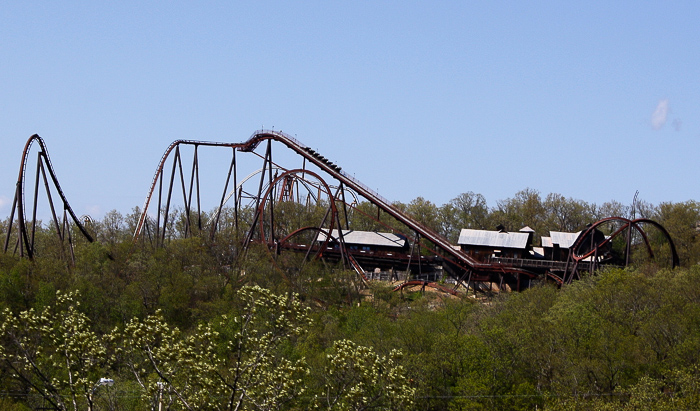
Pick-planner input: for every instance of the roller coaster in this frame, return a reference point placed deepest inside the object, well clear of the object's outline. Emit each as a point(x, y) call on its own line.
point(25, 243)
point(297, 203)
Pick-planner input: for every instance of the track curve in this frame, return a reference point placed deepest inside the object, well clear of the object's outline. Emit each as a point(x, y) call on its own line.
point(627, 224)
point(456, 257)
point(19, 201)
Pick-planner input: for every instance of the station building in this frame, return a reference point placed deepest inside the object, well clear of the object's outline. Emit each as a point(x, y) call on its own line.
point(484, 244)
point(371, 241)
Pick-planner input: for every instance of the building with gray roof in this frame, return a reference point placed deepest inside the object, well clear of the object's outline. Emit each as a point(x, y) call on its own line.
point(370, 240)
point(556, 246)
point(483, 244)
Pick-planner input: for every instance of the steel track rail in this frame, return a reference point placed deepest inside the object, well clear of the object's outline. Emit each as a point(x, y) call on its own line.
point(19, 195)
point(459, 258)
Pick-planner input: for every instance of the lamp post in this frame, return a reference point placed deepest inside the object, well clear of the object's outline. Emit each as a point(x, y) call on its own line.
point(160, 395)
point(103, 381)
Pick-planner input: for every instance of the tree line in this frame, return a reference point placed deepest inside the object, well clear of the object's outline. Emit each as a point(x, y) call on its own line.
point(551, 212)
point(181, 327)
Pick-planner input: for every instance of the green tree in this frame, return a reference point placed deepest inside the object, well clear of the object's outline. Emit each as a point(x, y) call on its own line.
point(525, 209)
point(425, 212)
point(566, 214)
point(359, 379)
point(54, 352)
point(467, 210)
point(612, 209)
point(235, 364)
point(681, 221)
point(112, 229)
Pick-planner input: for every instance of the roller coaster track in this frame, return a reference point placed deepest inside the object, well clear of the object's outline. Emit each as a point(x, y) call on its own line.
point(457, 263)
point(579, 251)
point(26, 237)
point(456, 257)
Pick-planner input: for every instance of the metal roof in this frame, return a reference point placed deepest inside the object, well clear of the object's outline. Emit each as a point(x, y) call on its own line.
point(368, 238)
point(493, 238)
point(537, 252)
point(565, 240)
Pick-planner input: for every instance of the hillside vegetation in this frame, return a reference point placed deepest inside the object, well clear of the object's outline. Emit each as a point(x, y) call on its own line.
point(185, 327)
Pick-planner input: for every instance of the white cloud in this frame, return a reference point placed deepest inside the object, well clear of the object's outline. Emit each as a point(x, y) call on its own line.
point(658, 117)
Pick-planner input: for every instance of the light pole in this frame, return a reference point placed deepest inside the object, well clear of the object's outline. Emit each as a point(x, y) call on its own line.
point(160, 395)
point(103, 381)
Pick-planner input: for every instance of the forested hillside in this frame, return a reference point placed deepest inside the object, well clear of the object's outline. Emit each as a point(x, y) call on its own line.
point(184, 326)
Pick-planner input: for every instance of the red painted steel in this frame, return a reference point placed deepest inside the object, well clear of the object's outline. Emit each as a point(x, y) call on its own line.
point(19, 202)
point(455, 256)
point(460, 263)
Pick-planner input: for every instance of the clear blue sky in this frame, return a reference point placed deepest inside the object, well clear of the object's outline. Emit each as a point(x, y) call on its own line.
point(593, 100)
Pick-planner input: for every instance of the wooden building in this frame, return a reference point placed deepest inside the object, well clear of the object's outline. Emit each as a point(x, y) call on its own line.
point(484, 244)
point(371, 241)
point(556, 246)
